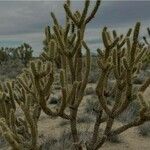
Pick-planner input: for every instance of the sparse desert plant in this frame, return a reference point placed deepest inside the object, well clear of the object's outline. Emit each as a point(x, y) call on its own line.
point(144, 129)
point(24, 53)
point(84, 119)
point(10, 69)
point(121, 59)
point(89, 91)
point(114, 139)
point(130, 113)
point(61, 143)
point(3, 55)
point(91, 104)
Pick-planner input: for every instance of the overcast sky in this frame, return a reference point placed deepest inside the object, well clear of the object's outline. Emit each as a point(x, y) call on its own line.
point(24, 21)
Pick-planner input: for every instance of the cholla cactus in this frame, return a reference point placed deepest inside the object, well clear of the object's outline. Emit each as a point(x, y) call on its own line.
point(24, 53)
point(69, 42)
point(47, 51)
point(3, 55)
point(123, 57)
point(20, 133)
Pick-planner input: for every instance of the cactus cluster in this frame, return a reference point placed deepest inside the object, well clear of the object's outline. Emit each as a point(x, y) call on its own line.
point(3, 55)
point(121, 57)
point(20, 131)
point(23, 53)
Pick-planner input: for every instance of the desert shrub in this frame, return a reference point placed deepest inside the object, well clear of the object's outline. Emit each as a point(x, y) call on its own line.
point(10, 69)
point(22, 53)
point(138, 80)
point(64, 123)
point(48, 143)
point(3, 56)
point(89, 91)
point(93, 77)
point(94, 74)
point(62, 143)
point(91, 104)
point(130, 113)
point(144, 129)
point(114, 139)
point(84, 119)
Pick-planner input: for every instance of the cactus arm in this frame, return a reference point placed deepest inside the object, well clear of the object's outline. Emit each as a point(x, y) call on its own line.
point(32, 125)
point(85, 80)
point(145, 85)
point(84, 13)
point(69, 13)
point(123, 128)
point(89, 145)
point(11, 138)
point(11, 141)
point(91, 16)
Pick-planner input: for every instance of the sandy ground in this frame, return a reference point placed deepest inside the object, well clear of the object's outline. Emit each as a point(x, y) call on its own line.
point(129, 140)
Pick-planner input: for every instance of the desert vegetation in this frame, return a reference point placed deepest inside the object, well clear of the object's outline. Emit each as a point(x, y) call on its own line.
point(23, 53)
point(89, 100)
point(13, 59)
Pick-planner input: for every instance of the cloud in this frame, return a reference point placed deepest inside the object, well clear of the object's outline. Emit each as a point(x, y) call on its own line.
point(25, 20)
point(22, 17)
point(122, 12)
point(32, 16)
